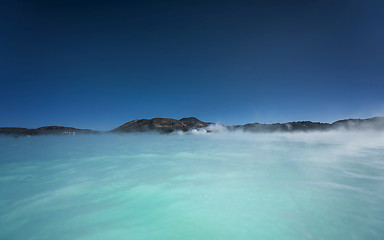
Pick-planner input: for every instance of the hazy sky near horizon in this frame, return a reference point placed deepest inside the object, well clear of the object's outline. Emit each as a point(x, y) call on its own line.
point(98, 64)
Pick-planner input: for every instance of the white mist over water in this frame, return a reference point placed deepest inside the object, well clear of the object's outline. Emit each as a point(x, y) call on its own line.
point(326, 185)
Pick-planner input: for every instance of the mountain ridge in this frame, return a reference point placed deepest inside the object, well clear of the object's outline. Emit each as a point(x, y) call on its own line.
point(169, 125)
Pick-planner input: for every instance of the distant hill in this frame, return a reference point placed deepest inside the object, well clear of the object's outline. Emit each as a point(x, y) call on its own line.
point(43, 131)
point(162, 125)
point(376, 123)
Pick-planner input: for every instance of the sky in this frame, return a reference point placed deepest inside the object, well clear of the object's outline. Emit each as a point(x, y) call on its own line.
point(98, 64)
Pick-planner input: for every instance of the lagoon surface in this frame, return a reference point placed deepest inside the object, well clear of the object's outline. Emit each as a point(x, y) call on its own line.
point(205, 186)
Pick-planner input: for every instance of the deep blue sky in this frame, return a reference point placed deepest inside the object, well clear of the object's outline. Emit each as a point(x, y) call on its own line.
point(98, 64)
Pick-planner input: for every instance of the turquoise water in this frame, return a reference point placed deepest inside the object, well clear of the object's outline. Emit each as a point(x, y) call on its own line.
point(212, 186)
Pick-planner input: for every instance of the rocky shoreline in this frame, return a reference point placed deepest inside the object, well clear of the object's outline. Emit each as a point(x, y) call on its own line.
point(169, 125)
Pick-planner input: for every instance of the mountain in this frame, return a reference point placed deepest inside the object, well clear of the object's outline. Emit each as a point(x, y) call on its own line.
point(161, 125)
point(284, 127)
point(376, 123)
point(43, 131)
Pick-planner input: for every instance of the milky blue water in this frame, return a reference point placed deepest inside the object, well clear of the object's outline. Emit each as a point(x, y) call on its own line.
point(213, 186)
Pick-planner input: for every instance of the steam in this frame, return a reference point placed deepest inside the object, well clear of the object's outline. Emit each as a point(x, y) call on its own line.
point(342, 141)
point(217, 127)
point(212, 128)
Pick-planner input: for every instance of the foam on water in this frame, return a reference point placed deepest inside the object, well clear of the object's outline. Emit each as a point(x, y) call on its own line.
point(204, 186)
